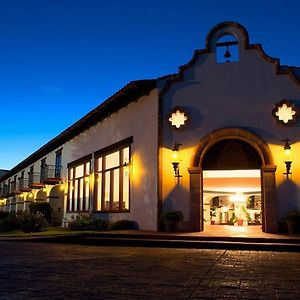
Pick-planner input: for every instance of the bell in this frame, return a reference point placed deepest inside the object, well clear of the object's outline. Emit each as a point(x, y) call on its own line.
point(227, 53)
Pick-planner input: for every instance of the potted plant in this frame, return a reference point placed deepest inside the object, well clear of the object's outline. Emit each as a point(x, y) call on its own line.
point(232, 220)
point(212, 215)
point(171, 219)
point(292, 219)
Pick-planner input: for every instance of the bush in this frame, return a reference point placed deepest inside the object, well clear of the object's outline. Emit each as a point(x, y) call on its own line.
point(83, 222)
point(42, 207)
point(172, 215)
point(122, 225)
point(31, 222)
point(102, 224)
point(9, 222)
point(4, 215)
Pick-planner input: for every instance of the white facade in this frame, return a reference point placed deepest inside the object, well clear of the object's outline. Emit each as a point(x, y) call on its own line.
point(224, 102)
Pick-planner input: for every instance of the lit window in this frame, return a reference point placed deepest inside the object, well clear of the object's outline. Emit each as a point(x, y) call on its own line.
point(79, 187)
point(112, 181)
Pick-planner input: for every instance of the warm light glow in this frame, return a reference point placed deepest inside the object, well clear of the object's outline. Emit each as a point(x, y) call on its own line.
point(231, 173)
point(177, 119)
point(225, 209)
point(175, 156)
point(232, 181)
point(239, 197)
point(285, 113)
point(30, 195)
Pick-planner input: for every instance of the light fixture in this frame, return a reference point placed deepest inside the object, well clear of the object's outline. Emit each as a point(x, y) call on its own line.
point(287, 157)
point(176, 159)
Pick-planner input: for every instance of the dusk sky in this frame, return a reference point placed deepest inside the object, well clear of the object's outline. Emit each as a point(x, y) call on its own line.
point(61, 58)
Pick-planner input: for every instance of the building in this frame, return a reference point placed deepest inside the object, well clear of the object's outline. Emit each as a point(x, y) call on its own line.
point(214, 141)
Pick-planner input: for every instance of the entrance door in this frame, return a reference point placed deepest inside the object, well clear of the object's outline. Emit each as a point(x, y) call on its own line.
point(233, 149)
point(231, 183)
point(232, 197)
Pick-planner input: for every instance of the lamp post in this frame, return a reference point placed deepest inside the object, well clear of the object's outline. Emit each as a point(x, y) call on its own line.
point(176, 159)
point(287, 157)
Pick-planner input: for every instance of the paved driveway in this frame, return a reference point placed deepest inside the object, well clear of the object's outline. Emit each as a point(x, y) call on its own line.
point(57, 271)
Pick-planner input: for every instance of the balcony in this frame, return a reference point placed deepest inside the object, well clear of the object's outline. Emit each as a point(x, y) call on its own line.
point(34, 181)
point(14, 189)
point(51, 175)
point(23, 185)
point(5, 191)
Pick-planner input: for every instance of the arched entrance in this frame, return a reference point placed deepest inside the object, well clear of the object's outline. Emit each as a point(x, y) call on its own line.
point(250, 151)
point(56, 200)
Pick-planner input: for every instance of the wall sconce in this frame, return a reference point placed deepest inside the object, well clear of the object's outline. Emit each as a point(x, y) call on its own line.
point(287, 157)
point(176, 159)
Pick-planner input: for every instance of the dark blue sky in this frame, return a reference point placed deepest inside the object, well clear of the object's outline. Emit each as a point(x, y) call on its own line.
point(61, 58)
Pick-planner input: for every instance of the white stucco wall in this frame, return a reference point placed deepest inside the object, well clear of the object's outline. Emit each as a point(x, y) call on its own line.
point(138, 119)
point(238, 94)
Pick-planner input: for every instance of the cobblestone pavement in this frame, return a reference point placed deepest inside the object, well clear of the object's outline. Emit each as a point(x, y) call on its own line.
point(57, 271)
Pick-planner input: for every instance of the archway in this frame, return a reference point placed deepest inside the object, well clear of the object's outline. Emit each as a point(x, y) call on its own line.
point(215, 151)
point(56, 200)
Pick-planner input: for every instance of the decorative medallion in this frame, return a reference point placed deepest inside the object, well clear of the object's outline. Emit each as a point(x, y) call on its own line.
point(178, 117)
point(285, 112)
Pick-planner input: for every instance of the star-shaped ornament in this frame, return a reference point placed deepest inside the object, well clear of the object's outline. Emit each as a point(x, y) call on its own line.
point(285, 112)
point(178, 118)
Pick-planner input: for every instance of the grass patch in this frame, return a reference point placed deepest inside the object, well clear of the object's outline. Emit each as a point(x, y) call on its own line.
point(49, 232)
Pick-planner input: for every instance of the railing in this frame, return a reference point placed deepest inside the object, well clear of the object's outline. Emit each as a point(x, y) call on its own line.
point(34, 178)
point(51, 171)
point(23, 183)
point(5, 190)
point(13, 186)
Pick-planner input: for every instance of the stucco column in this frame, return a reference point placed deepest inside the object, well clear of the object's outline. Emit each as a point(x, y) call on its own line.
point(270, 223)
point(196, 199)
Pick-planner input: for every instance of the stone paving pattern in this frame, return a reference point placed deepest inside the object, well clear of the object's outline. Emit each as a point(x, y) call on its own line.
point(64, 271)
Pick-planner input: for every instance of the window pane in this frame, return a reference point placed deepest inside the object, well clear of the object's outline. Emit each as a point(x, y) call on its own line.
point(126, 158)
point(99, 166)
point(70, 195)
point(71, 174)
point(112, 160)
point(87, 168)
point(107, 191)
point(80, 198)
point(75, 194)
point(125, 204)
point(99, 191)
point(87, 195)
point(116, 195)
point(79, 171)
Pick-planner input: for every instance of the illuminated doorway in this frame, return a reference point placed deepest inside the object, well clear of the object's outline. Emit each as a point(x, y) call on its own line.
point(232, 197)
point(228, 149)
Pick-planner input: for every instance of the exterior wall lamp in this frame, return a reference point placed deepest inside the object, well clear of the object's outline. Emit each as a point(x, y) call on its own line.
point(287, 157)
point(176, 159)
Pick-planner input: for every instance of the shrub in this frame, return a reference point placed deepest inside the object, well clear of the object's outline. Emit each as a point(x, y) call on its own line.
point(102, 224)
point(83, 222)
point(42, 207)
point(4, 215)
point(9, 223)
point(31, 222)
point(172, 215)
point(122, 225)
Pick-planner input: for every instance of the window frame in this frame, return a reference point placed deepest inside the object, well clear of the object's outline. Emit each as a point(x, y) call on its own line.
point(84, 205)
point(102, 154)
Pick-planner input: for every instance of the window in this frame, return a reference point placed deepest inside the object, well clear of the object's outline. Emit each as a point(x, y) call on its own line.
point(58, 163)
point(112, 180)
point(43, 168)
point(79, 187)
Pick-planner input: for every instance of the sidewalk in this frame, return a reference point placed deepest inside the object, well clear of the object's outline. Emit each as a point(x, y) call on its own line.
point(218, 237)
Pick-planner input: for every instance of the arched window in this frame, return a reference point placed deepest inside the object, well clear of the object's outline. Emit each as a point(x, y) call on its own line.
point(227, 49)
